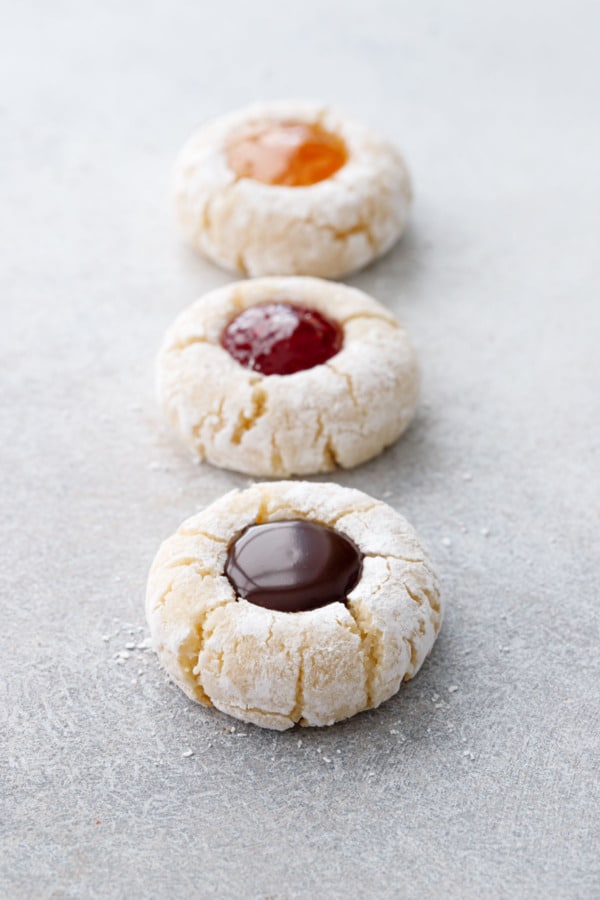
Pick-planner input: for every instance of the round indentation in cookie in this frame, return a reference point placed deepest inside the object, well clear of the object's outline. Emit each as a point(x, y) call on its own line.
point(280, 338)
point(290, 188)
point(293, 566)
point(351, 389)
point(295, 154)
point(277, 668)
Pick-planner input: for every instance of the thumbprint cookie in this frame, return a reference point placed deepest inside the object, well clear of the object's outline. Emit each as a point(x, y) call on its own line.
point(287, 376)
point(293, 603)
point(290, 188)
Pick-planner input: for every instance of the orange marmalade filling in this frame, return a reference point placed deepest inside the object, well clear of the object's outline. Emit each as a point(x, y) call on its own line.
point(294, 154)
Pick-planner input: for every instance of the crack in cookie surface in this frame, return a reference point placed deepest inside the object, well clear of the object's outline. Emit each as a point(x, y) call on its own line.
point(350, 385)
point(258, 399)
point(370, 640)
point(331, 458)
point(298, 710)
point(179, 345)
point(371, 316)
point(277, 466)
point(344, 234)
point(197, 533)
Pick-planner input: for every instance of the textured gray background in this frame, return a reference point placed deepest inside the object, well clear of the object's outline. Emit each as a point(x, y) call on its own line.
point(488, 790)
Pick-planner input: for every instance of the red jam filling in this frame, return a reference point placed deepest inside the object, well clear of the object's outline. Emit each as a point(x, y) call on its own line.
point(294, 154)
point(280, 339)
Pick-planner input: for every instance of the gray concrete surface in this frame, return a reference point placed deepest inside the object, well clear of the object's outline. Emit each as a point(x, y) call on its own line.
point(480, 778)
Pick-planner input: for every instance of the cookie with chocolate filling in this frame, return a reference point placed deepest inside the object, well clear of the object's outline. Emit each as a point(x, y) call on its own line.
point(293, 602)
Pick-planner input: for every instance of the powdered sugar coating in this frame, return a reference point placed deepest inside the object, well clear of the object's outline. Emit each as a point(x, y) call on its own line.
point(340, 413)
point(277, 669)
point(327, 229)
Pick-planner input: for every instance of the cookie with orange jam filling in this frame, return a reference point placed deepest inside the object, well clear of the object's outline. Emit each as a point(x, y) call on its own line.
point(290, 188)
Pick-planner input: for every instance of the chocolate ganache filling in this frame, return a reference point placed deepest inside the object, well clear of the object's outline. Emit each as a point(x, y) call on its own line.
point(293, 565)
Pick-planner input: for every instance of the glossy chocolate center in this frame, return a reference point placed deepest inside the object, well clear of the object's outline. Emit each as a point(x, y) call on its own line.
point(294, 154)
point(280, 339)
point(293, 565)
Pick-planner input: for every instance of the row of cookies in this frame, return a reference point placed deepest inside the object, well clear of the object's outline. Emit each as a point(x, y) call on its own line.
point(290, 602)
